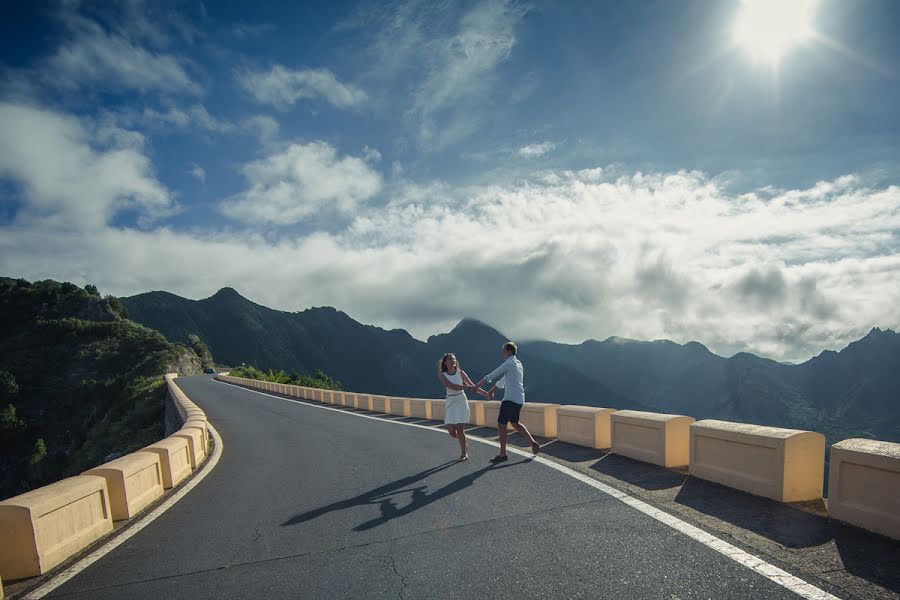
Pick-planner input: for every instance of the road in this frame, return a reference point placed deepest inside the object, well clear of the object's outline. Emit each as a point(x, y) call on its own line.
point(311, 503)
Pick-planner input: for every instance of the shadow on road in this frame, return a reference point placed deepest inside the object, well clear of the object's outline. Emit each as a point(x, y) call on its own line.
point(778, 522)
point(384, 495)
point(866, 555)
point(641, 474)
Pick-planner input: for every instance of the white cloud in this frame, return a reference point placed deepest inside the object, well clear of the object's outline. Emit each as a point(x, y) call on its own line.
point(198, 172)
point(299, 181)
point(76, 174)
point(535, 150)
point(461, 72)
point(195, 116)
point(282, 87)
point(97, 58)
point(450, 61)
point(783, 273)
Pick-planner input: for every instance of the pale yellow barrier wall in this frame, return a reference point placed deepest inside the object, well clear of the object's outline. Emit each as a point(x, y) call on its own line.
point(438, 409)
point(174, 459)
point(44, 527)
point(194, 439)
point(419, 408)
point(864, 485)
point(349, 399)
point(400, 406)
point(539, 418)
point(363, 402)
point(476, 412)
point(201, 425)
point(652, 437)
point(786, 465)
point(134, 481)
point(491, 412)
point(585, 425)
point(380, 404)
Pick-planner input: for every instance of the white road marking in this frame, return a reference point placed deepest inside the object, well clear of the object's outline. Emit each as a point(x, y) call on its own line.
point(145, 520)
point(752, 562)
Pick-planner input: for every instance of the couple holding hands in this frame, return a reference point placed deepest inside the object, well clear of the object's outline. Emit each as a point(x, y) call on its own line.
point(509, 376)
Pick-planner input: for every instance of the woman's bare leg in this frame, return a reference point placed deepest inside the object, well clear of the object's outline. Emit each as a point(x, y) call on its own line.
point(463, 443)
point(451, 428)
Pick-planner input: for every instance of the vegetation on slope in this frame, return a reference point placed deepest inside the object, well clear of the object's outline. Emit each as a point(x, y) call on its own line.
point(79, 383)
point(317, 380)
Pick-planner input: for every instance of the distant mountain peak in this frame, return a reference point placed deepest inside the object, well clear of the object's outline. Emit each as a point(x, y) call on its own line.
point(469, 322)
point(227, 292)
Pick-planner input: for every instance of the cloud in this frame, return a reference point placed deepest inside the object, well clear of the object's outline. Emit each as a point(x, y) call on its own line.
point(535, 150)
point(196, 117)
point(76, 174)
point(198, 172)
point(449, 60)
point(96, 58)
point(282, 87)
point(299, 181)
point(564, 255)
point(461, 72)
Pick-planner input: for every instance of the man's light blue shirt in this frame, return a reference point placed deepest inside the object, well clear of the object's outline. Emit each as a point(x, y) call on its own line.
point(513, 375)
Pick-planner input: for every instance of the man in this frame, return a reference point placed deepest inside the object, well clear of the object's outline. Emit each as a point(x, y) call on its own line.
point(509, 375)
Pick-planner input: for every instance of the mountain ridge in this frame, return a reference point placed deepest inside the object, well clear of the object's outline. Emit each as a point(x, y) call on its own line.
point(837, 392)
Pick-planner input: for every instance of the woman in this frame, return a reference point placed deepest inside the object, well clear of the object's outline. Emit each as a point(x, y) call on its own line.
point(456, 408)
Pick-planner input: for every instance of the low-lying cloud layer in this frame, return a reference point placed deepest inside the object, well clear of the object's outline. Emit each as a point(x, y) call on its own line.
point(562, 255)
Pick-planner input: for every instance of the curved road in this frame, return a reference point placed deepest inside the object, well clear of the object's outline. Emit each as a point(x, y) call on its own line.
point(310, 503)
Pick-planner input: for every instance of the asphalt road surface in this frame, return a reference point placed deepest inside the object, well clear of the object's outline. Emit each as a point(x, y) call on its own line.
point(310, 503)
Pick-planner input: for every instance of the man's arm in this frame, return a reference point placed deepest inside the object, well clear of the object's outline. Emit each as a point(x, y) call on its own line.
point(494, 375)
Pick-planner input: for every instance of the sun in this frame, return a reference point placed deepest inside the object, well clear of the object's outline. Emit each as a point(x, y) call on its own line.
point(767, 28)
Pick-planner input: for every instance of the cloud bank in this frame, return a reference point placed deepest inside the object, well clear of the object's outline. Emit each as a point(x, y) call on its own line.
point(559, 254)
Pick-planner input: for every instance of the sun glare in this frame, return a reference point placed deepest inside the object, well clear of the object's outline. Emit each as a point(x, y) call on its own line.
point(767, 28)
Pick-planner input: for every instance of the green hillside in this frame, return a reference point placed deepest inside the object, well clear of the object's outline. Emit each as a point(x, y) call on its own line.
point(78, 381)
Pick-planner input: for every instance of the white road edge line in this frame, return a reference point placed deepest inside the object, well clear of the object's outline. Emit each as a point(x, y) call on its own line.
point(145, 520)
point(754, 563)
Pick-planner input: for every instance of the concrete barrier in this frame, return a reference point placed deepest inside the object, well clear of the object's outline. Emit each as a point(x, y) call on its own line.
point(539, 418)
point(400, 407)
point(194, 438)
point(174, 459)
point(134, 482)
point(438, 410)
point(491, 413)
point(363, 402)
point(584, 425)
point(864, 485)
point(786, 465)
point(476, 412)
point(201, 425)
point(652, 437)
point(43, 527)
point(419, 408)
point(381, 404)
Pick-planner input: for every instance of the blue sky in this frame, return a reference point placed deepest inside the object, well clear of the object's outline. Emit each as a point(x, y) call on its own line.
point(607, 168)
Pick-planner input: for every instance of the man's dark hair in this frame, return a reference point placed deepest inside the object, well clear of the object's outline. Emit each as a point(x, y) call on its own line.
point(510, 347)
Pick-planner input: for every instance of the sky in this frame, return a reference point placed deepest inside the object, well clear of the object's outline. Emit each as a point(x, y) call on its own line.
point(726, 172)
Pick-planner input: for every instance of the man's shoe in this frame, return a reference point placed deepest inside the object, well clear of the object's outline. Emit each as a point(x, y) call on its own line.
point(500, 458)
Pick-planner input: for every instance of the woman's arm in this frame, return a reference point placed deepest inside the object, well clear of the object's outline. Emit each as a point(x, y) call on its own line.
point(469, 383)
point(447, 384)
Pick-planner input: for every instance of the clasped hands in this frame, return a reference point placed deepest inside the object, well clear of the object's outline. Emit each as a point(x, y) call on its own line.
point(482, 391)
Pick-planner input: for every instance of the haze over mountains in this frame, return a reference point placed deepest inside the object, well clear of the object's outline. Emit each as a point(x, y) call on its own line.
point(854, 392)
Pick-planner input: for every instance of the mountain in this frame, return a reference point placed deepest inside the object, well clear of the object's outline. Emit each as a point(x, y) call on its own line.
point(361, 357)
point(854, 392)
point(78, 381)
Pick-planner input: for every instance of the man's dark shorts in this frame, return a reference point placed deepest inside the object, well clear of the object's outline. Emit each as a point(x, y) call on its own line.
point(509, 412)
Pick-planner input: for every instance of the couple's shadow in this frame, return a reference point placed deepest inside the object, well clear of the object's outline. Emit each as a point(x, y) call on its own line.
point(386, 495)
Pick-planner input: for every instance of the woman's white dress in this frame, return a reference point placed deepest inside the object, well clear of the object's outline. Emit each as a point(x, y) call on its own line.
point(456, 407)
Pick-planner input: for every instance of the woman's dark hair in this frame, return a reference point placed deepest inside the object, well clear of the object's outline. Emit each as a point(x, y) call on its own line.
point(510, 347)
point(443, 363)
